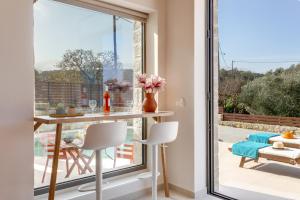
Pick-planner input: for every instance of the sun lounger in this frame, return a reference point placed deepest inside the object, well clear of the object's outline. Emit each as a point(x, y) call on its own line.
point(287, 155)
point(293, 143)
point(247, 149)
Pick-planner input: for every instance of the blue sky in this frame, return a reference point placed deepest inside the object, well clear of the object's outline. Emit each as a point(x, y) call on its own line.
point(259, 30)
point(58, 27)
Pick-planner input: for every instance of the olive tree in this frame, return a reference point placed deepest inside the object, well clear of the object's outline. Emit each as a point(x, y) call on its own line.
point(276, 93)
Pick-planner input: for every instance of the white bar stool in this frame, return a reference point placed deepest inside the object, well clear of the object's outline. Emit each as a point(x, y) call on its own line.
point(161, 133)
point(102, 136)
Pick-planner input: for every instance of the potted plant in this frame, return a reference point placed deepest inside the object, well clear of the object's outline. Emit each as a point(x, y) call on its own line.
point(72, 109)
point(60, 109)
point(150, 84)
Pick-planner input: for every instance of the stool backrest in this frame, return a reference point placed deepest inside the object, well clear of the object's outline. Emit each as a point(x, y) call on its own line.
point(164, 132)
point(104, 135)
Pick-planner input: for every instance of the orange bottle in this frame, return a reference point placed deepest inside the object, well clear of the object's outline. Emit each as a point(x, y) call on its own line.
point(106, 101)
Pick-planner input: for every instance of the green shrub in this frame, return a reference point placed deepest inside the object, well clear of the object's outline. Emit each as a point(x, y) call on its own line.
point(242, 108)
point(228, 106)
point(276, 93)
point(232, 106)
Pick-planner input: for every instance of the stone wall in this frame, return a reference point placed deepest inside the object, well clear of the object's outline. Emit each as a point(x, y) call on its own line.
point(216, 64)
point(137, 92)
point(260, 127)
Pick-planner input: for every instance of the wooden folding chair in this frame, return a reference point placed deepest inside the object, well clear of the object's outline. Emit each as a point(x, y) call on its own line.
point(62, 156)
point(65, 153)
point(125, 151)
point(80, 156)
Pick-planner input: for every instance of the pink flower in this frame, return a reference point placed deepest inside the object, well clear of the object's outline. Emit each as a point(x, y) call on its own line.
point(151, 84)
point(148, 87)
point(142, 78)
point(158, 82)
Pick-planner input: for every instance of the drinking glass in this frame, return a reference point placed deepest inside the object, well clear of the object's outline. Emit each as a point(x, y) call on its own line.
point(92, 104)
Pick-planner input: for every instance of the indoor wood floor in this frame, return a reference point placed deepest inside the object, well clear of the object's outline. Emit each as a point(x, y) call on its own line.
point(174, 196)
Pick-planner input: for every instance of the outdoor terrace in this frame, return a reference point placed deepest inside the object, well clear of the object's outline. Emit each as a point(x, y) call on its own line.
point(266, 178)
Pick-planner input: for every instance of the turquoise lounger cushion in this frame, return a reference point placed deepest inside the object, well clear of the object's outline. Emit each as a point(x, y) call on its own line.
point(261, 137)
point(248, 149)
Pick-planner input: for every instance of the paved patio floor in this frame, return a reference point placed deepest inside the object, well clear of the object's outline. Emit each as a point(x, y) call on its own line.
point(272, 179)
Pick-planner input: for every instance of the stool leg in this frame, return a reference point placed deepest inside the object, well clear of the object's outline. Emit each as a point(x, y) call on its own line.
point(154, 171)
point(98, 175)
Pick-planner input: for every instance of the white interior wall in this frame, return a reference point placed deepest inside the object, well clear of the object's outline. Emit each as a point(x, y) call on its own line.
point(180, 77)
point(185, 72)
point(16, 102)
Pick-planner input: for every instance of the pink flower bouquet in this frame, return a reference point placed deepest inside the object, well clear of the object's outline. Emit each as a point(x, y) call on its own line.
point(151, 83)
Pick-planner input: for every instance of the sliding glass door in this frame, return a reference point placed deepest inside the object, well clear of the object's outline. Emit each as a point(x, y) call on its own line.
point(254, 99)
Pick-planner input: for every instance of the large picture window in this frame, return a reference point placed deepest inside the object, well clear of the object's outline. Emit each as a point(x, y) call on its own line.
point(78, 52)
